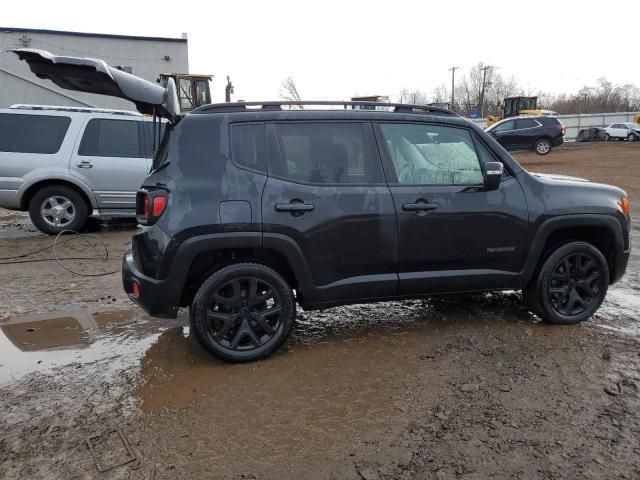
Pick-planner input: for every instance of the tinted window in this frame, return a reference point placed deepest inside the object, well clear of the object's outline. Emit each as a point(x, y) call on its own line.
point(32, 133)
point(526, 123)
point(432, 154)
point(248, 144)
point(111, 138)
point(147, 137)
point(505, 126)
point(327, 153)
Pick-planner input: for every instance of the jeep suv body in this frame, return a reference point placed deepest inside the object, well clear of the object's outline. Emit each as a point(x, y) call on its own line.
point(64, 164)
point(252, 207)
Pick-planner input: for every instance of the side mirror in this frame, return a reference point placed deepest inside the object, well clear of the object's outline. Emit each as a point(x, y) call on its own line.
point(493, 174)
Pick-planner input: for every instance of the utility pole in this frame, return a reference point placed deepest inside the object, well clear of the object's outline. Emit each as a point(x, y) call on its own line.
point(453, 85)
point(484, 83)
point(228, 90)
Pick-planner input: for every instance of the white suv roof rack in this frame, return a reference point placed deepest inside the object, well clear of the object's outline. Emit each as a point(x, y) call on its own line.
point(22, 106)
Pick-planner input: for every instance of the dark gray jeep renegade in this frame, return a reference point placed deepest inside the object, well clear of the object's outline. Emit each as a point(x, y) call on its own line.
point(251, 208)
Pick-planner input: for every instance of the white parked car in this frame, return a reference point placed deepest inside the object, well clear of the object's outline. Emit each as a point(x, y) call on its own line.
point(64, 164)
point(622, 131)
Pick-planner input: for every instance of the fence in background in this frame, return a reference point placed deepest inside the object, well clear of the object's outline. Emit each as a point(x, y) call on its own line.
point(575, 123)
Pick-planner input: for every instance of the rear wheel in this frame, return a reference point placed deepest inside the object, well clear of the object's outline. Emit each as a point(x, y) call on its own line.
point(243, 312)
point(56, 208)
point(607, 137)
point(571, 284)
point(542, 146)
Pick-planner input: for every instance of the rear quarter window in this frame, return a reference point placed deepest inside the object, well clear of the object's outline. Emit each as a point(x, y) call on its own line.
point(32, 133)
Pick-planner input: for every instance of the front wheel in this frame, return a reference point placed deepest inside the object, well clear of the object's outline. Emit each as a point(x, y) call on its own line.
point(542, 146)
point(571, 285)
point(243, 312)
point(632, 137)
point(56, 208)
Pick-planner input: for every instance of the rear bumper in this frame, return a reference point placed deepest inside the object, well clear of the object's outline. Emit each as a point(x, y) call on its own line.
point(159, 298)
point(558, 141)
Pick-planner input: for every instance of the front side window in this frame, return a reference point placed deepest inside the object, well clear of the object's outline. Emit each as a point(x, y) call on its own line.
point(327, 153)
point(111, 138)
point(32, 133)
point(504, 126)
point(432, 154)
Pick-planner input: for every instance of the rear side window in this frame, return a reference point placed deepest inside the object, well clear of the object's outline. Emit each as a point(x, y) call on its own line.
point(327, 153)
point(147, 138)
point(424, 154)
point(32, 133)
point(526, 123)
point(111, 138)
point(248, 146)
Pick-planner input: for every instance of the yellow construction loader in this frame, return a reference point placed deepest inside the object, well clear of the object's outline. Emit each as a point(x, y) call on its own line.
point(517, 106)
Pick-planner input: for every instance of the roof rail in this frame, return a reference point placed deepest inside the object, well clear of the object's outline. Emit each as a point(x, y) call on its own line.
point(23, 106)
point(277, 105)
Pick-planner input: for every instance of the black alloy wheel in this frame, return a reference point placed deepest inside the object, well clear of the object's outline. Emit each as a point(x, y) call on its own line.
point(575, 284)
point(570, 285)
point(243, 312)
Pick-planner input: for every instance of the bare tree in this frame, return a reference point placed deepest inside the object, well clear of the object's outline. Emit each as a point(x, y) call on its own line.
point(415, 97)
point(289, 91)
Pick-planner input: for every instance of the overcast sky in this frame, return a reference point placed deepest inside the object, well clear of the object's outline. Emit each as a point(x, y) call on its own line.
point(336, 49)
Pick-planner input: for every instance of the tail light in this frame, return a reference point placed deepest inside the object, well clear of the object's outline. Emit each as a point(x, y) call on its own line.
point(562, 128)
point(150, 205)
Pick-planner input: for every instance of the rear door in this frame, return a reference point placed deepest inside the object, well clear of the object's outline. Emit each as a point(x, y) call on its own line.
point(526, 131)
point(112, 157)
point(453, 233)
point(326, 194)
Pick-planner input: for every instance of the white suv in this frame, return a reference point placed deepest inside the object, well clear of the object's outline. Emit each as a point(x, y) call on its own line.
point(64, 164)
point(630, 131)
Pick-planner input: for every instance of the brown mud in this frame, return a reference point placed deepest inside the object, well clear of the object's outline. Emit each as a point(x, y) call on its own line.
point(469, 387)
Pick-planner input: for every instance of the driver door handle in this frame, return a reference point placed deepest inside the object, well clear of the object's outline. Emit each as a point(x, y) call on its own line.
point(419, 207)
point(294, 207)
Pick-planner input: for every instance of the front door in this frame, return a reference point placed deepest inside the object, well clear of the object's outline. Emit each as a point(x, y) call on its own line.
point(505, 134)
point(112, 157)
point(326, 193)
point(454, 234)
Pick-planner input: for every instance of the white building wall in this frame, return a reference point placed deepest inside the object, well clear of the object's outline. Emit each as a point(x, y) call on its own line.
point(145, 56)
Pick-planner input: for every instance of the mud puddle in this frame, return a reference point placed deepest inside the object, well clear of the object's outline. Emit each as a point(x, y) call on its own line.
point(42, 343)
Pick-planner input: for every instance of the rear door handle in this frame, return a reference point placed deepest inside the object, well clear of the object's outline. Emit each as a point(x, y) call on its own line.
point(84, 164)
point(294, 207)
point(419, 207)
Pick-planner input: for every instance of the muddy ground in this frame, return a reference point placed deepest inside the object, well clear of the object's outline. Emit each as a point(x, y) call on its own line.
point(472, 387)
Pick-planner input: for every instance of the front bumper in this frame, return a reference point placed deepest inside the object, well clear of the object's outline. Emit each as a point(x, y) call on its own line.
point(159, 298)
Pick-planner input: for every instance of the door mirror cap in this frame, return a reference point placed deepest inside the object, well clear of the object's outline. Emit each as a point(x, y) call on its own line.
point(493, 174)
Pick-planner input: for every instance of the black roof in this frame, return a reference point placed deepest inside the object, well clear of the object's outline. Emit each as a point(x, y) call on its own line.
point(89, 34)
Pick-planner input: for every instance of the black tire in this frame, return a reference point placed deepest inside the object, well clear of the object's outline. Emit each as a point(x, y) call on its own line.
point(542, 146)
point(227, 321)
point(571, 284)
point(632, 137)
point(607, 137)
point(73, 206)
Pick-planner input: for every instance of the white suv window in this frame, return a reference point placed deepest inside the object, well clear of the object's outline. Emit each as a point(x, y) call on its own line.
point(22, 133)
